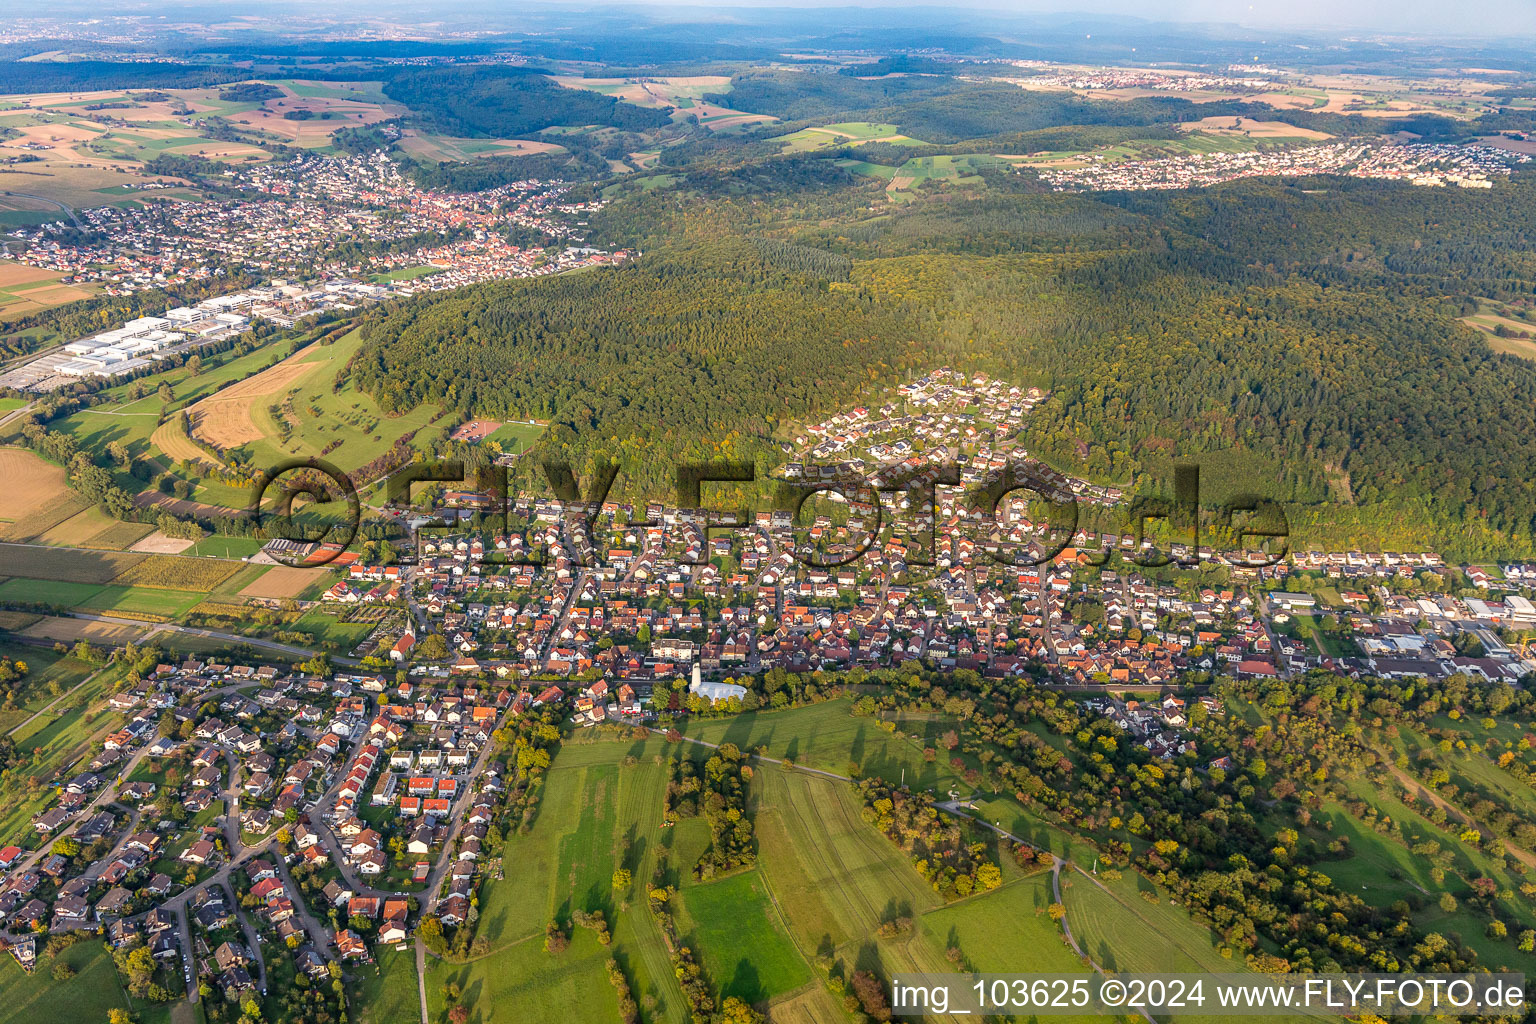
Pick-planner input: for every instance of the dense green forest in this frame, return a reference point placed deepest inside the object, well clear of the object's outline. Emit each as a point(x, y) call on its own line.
point(505, 102)
point(946, 110)
point(91, 75)
point(1309, 337)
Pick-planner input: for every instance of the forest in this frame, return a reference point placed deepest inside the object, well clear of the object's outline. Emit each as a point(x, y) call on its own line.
point(1317, 332)
point(504, 102)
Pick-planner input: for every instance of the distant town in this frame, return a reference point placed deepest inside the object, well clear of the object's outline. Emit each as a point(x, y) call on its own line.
point(1424, 164)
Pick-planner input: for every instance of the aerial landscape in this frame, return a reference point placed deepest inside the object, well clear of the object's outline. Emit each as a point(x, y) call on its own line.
point(723, 515)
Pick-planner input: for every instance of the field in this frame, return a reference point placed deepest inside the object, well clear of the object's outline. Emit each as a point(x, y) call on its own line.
point(26, 289)
point(1105, 915)
point(596, 813)
point(49, 744)
point(70, 630)
point(94, 990)
point(388, 991)
point(684, 94)
point(439, 148)
point(1491, 316)
point(994, 928)
point(225, 419)
point(44, 669)
point(284, 581)
point(226, 547)
point(828, 736)
point(170, 572)
point(332, 105)
point(93, 528)
point(524, 983)
point(835, 878)
point(135, 602)
point(314, 417)
point(959, 169)
point(516, 437)
point(406, 274)
point(66, 564)
point(230, 403)
point(733, 924)
point(1255, 129)
point(847, 133)
point(35, 495)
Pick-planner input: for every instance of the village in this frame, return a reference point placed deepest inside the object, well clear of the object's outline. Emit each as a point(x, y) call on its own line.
point(243, 812)
point(1426, 164)
point(326, 218)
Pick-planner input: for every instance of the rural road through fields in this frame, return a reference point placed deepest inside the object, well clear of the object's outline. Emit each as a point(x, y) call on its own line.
point(209, 634)
point(68, 210)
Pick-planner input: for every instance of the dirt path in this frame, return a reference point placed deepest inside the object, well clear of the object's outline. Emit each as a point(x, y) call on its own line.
point(1422, 791)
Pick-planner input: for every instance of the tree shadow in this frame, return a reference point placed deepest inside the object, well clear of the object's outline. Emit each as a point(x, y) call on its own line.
point(746, 984)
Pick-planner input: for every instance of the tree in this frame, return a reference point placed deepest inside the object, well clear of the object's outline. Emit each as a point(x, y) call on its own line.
point(621, 879)
point(433, 647)
point(736, 1011)
point(459, 1014)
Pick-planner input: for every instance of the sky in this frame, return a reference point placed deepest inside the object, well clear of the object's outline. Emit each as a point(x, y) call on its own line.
point(1461, 17)
point(1482, 19)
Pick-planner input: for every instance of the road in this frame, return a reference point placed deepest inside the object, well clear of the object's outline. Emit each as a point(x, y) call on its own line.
point(68, 210)
point(952, 807)
point(209, 634)
point(421, 977)
point(49, 706)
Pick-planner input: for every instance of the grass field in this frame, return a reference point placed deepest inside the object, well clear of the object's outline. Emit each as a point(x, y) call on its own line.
point(845, 133)
point(962, 168)
point(597, 811)
point(735, 928)
point(407, 274)
point(137, 601)
point(516, 437)
point(524, 983)
point(387, 993)
point(1006, 929)
point(44, 668)
point(835, 877)
point(93, 991)
point(52, 743)
point(1108, 918)
point(828, 736)
point(93, 528)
